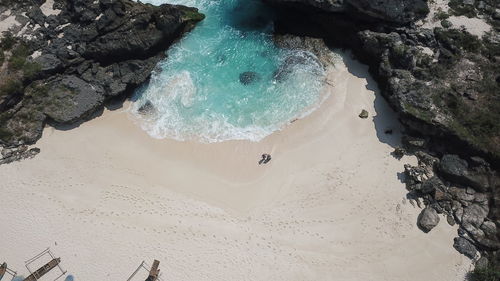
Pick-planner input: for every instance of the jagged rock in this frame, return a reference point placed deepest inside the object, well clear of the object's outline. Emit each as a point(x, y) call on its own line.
point(7, 152)
point(458, 214)
point(386, 10)
point(427, 219)
point(461, 195)
point(49, 63)
point(431, 185)
point(475, 233)
point(456, 169)
point(481, 198)
point(71, 98)
point(413, 143)
point(482, 263)
point(399, 152)
point(426, 159)
point(465, 247)
point(474, 215)
point(18, 154)
point(415, 176)
point(489, 228)
point(91, 52)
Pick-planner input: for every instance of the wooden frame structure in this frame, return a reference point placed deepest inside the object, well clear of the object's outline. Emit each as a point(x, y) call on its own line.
point(154, 272)
point(9, 272)
point(53, 263)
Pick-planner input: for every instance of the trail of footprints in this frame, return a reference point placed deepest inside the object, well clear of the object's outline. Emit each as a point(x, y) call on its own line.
point(265, 236)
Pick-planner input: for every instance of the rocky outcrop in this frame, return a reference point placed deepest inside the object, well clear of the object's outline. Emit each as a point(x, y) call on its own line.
point(392, 11)
point(444, 84)
point(63, 66)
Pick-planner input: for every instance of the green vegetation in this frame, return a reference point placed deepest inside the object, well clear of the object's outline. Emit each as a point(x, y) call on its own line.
point(18, 62)
point(11, 87)
point(190, 14)
point(453, 38)
point(446, 24)
point(441, 15)
point(459, 8)
point(8, 41)
point(489, 273)
point(422, 114)
point(423, 10)
point(5, 133)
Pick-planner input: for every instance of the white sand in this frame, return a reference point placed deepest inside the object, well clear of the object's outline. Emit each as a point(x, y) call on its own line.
point(475, 26)
point(329, 206)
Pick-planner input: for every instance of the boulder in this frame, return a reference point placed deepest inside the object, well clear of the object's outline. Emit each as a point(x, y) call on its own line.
point(450, 220)
point(474, 215)
point(427, 219)
point(398, 153)
point(363, 114)
point(465, 247)
point(489, 228)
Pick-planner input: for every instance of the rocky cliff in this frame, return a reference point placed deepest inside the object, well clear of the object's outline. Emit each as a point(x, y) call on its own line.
point(443, 80)
point(61, 61)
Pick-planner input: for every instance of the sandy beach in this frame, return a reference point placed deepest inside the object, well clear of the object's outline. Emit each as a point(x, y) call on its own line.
point(329, 206)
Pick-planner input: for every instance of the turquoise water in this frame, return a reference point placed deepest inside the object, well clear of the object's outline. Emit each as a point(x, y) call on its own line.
point(200, 92)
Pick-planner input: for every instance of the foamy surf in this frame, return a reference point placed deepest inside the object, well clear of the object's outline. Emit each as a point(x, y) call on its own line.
point(226, 80)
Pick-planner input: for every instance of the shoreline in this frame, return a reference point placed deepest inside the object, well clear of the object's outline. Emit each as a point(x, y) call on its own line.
point(328, 204)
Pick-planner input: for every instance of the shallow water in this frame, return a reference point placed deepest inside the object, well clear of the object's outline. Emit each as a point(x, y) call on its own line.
point(226, 80)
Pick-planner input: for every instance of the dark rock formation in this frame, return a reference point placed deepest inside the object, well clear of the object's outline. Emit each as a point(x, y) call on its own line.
point(428, 76)
point(66, 66)
point(444, 84)
point(455, 169)
point(394, 11)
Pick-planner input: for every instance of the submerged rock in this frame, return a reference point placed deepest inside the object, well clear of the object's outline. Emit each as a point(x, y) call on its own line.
point(146, 108)
point(249, 77)
point(297, 59)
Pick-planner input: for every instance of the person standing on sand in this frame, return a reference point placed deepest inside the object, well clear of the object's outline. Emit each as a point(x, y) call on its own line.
point(265, 159)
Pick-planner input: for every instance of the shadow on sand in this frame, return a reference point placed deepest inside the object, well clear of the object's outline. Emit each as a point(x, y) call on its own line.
point(386, 120)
